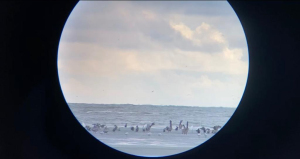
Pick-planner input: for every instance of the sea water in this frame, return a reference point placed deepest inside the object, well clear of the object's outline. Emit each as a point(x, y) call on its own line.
point(156, 142)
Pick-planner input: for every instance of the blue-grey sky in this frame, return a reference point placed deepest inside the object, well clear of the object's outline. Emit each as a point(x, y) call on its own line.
point(190, 53)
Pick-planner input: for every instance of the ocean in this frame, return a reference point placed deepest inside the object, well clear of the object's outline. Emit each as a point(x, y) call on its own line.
point(156, 142)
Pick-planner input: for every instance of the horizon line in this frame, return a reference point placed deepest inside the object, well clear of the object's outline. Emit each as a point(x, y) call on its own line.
point(150, 104)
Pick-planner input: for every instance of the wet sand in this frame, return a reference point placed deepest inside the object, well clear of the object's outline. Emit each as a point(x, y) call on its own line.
point(151, 151)
point(156, 144)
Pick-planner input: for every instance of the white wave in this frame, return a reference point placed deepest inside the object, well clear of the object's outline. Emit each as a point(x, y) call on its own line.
point(125, 143)
point(126, 112)
point(99, 111)
point(136, 139)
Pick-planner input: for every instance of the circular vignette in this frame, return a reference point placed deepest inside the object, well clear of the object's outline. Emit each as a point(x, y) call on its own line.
point(181, 29)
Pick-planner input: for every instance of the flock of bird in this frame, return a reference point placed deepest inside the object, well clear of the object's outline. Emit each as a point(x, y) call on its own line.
point(146, 128)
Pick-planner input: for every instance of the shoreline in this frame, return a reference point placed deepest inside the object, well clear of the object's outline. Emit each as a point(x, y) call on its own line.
point(148, 151)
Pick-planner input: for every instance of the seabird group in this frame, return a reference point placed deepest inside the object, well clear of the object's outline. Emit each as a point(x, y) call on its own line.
point(102, 128)
point(212, 130)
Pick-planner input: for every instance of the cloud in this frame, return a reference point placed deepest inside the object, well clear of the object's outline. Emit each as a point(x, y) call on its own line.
point(203, 34)
point(87, 58)
point(129, 49)
point(113, 23)
point(149, 15)
point(184, 30)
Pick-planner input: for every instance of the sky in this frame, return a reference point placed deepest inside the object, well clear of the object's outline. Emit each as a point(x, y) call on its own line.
point(187, 53)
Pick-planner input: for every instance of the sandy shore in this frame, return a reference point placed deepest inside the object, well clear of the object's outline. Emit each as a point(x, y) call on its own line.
point(151, 151)
point(154, 145)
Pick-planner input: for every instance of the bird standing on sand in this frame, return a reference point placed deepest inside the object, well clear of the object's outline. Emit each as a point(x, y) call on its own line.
point(125, 125)
point(176, 128)
point(136, 128)
point(198, 130)
point(147, 127)
point(115, 128)
point(208, 131)
point(132, 128)
point(180, 126)
point(216, 129)
point(105, 129)
point(88, 128)
point(168, 128)
point(203, 129)
point(102, 126)
point(95, 128)
point(186, 129)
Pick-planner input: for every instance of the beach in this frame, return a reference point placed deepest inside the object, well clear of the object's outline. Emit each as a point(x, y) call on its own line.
point(154, 142)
